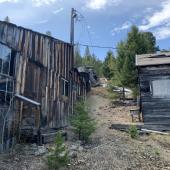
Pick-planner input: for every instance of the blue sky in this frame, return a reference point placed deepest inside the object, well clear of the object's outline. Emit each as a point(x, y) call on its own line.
point(106, 22)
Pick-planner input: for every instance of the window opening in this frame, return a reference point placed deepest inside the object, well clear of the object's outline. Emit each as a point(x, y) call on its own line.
point(160, 88)
point(65, 87)
point(7, 67)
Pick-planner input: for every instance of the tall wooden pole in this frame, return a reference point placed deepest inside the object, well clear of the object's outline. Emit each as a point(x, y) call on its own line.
point(73, 15)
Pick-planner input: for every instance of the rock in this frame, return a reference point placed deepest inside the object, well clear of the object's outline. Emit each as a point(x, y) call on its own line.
point(72, 155)
point(129, 168)
point(80, 148)
point(41, 150)
point(81, 161)
point(16, 159)
point(74, 148)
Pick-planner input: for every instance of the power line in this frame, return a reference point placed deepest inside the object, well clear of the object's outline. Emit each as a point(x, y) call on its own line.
point(96, 46)
point(80, 18)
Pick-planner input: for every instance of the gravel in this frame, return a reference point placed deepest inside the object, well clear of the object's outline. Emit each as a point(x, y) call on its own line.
point(108, 150)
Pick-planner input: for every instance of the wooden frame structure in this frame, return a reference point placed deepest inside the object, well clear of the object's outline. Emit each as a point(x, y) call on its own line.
point(154, 85)
point(43, 72)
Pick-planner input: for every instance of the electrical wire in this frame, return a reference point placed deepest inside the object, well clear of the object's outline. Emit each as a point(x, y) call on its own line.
point(96, 46)
point(82, 19)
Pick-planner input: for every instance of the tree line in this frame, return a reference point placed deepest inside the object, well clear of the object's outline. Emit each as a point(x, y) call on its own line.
point(120, 68)
point(88, 60)
point(137, 42)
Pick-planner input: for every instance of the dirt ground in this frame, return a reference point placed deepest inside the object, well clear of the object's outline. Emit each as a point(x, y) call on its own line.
point(109, 150)
point(116, 150)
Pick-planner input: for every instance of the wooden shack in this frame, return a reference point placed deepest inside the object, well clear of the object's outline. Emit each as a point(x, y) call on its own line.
point(36, 83)
point(154, 84)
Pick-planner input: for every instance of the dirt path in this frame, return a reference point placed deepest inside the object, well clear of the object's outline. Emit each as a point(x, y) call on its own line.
point(109, 150)
point(115, 150)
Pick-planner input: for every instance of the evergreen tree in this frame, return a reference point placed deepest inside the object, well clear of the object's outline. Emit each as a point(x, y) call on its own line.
point(49, 33)
point(87, 52)
point(98, 67)
point(87, 60)
point(109, 65)
point(77, 56)
point(83, 124)
point(7, 19)
point(137, 43)
point(58, 156)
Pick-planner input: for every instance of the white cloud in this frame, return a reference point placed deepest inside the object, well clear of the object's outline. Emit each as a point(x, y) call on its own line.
point(162, 33)
point(58, 10)
point(101, 4)
point(36, 3)
point(39, 3)
point(158, 22)
point(124, 26)
point(96, 4)
point(158, 18)
point(13, 1)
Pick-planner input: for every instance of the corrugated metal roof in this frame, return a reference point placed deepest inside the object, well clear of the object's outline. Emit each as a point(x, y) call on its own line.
point(153, 59)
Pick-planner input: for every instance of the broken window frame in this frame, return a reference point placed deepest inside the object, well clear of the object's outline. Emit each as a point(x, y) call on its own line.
point(7, 75)
point(65, 87)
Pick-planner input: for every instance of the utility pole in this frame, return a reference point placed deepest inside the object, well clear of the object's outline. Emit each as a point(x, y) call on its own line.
point(73, 16)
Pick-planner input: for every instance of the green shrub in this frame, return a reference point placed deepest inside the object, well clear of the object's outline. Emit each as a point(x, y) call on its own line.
point(83, 125)
point(58, 156)
point(157, 152)
point(133, 131)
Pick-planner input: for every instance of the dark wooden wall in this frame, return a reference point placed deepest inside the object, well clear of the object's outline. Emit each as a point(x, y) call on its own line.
point(79, 86)
point(41, 65)
point(43, 70)
point(155, 110)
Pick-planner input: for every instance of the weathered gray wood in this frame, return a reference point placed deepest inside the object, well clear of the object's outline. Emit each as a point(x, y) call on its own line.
point(40, 64)
point(155, 110)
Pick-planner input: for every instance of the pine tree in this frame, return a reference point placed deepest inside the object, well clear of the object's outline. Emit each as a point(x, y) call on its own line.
point(7, 19)
point(109, 65)
point(87, 60)
point(58, 156)
point(83, 125)
point(137, 43)
point(49, 33)
point(77, 56)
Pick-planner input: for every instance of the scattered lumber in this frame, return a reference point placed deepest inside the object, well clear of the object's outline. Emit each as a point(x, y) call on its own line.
point(124, 127)
point(141, 128)
point(154, 131)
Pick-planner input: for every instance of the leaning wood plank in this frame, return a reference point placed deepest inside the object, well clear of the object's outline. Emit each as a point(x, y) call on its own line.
point(154, 131)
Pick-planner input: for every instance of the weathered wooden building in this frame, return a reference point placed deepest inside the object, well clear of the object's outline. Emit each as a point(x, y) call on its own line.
point(36, 83)
point(154, 83)
point(79, 85)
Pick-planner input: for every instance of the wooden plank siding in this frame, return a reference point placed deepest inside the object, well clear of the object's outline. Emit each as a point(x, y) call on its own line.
point(42, 62)
point(155, 109)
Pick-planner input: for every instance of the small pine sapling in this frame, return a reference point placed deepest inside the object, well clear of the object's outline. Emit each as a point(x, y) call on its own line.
point(133, 131)
point(58, 156)
point(83, 125)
